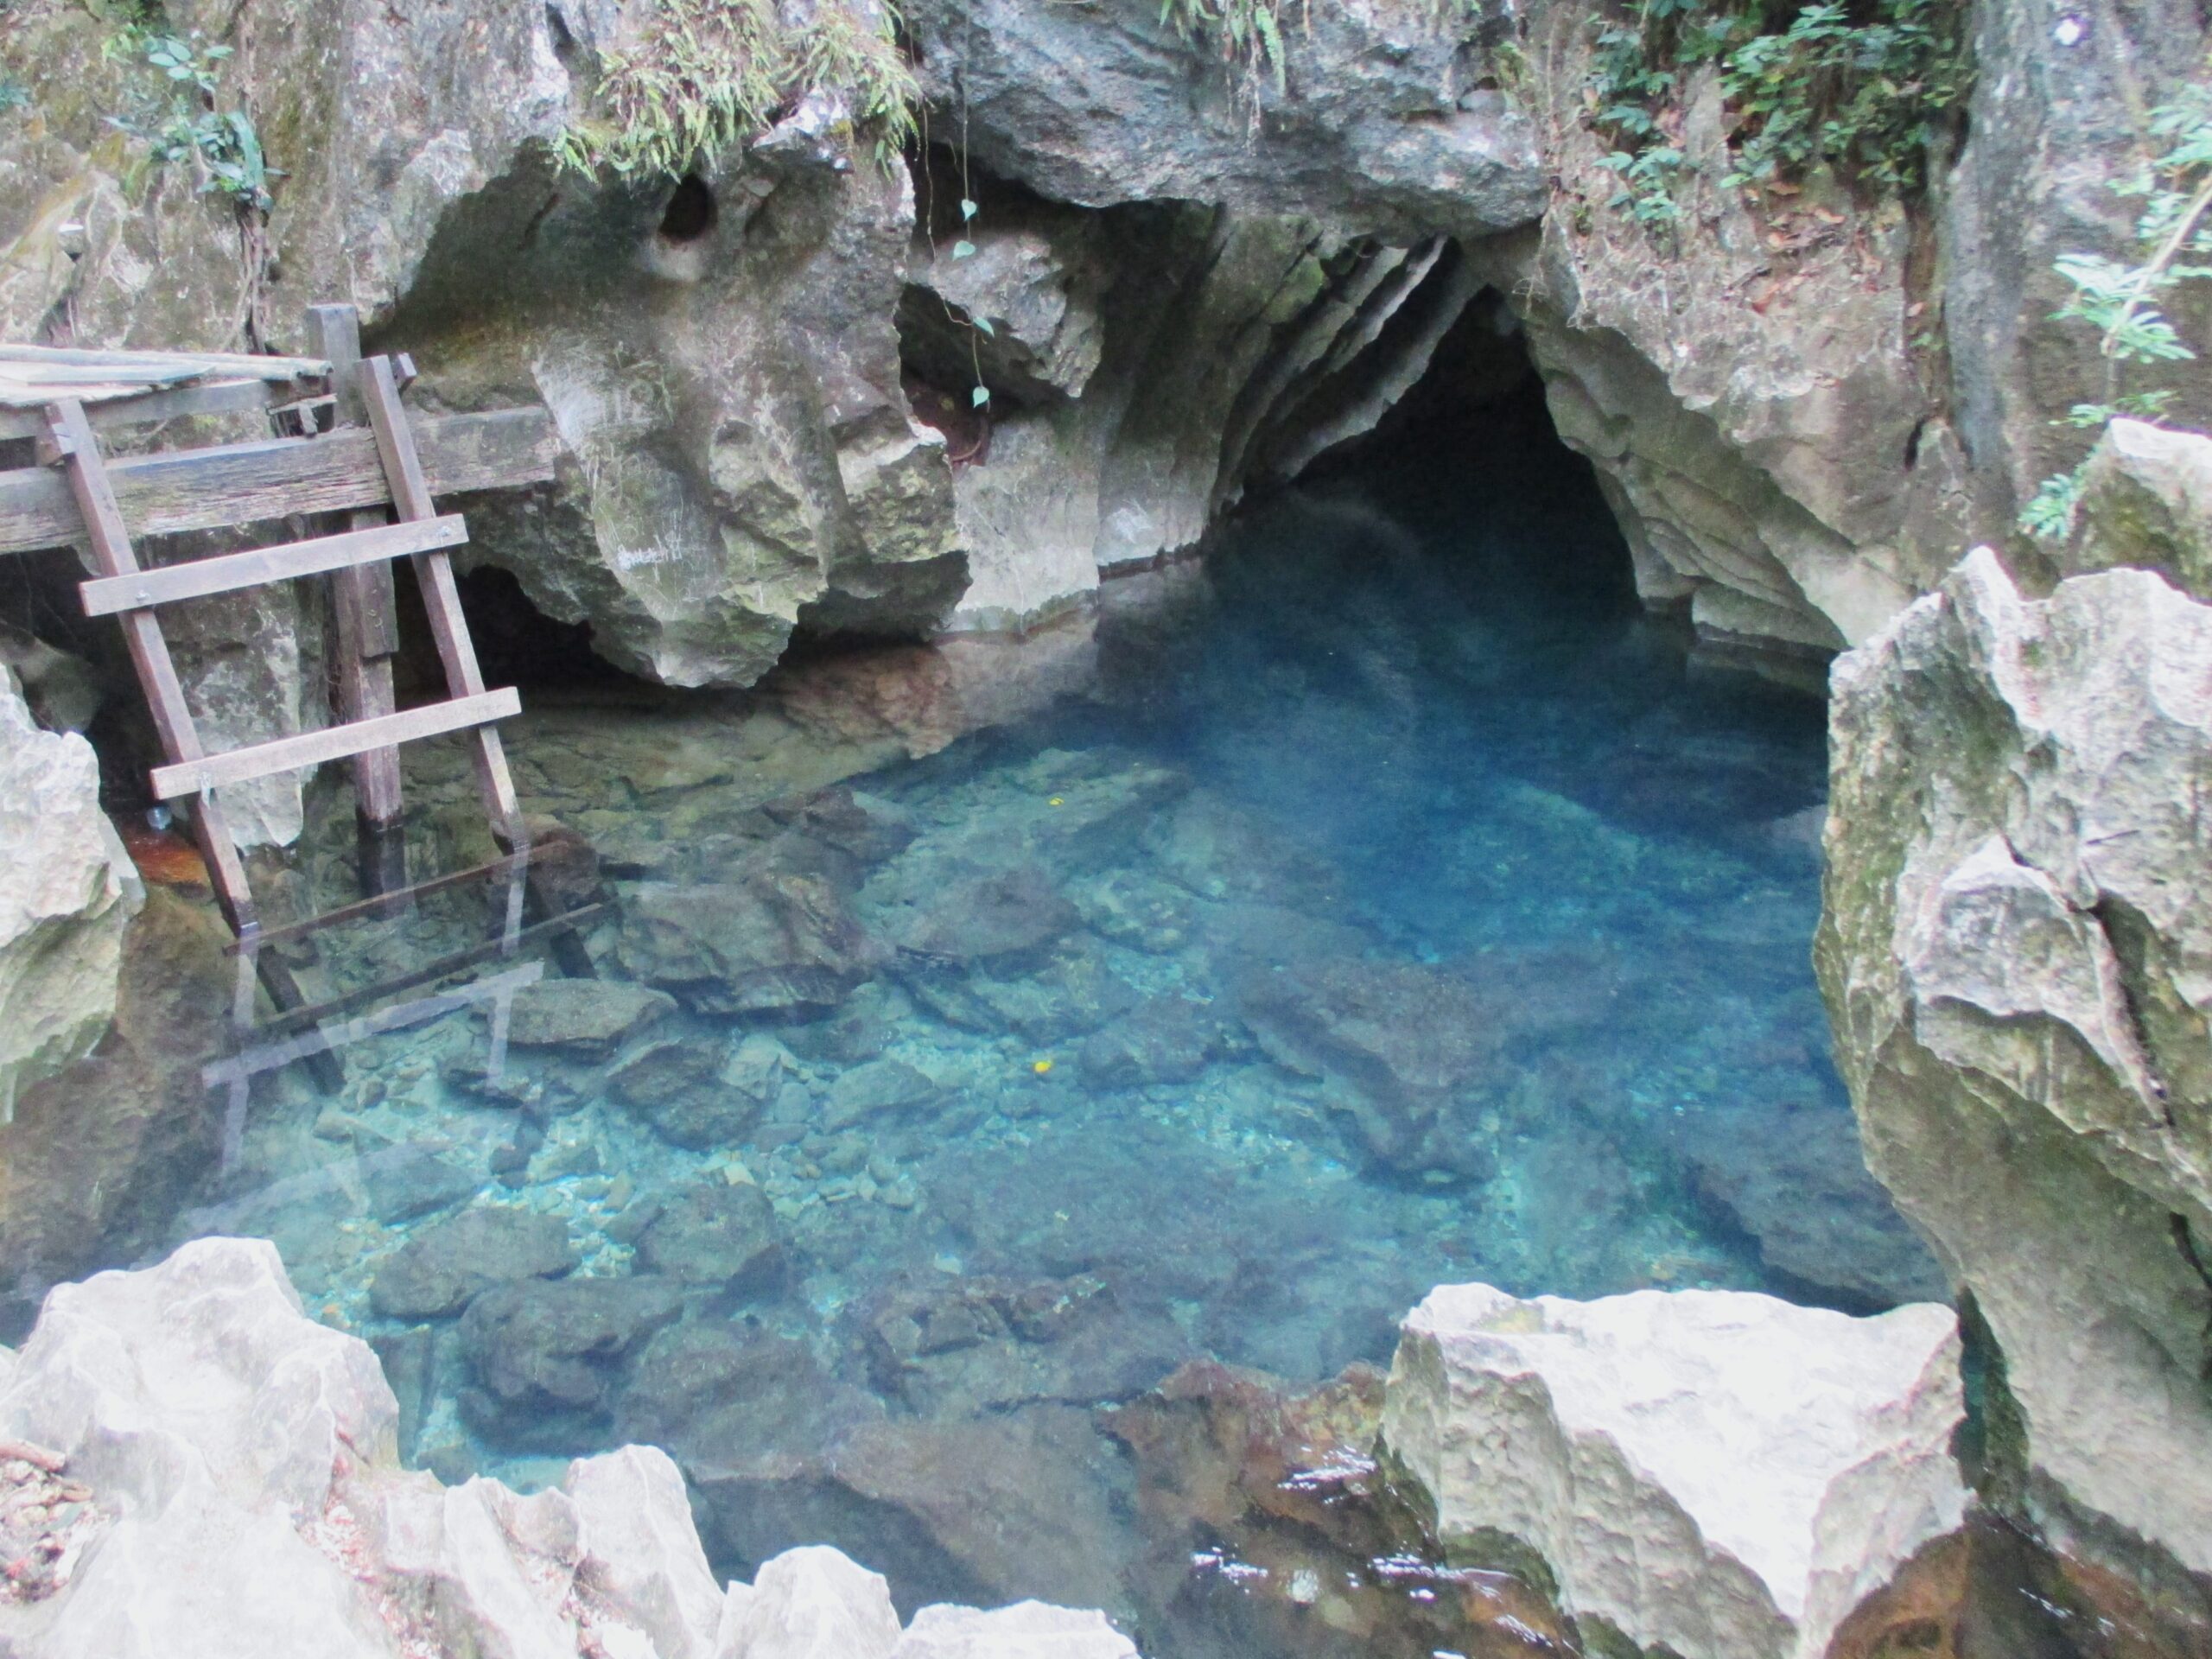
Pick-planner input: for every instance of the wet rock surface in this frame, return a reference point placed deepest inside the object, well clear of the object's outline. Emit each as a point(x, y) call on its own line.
point(440, 1269)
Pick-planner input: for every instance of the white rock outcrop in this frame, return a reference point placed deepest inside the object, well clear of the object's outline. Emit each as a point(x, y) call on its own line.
point(66, 892)
point(1723, 1473)
point(2016, 951)
point(236, 1494)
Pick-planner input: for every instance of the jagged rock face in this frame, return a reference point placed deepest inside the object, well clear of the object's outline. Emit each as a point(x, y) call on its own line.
point(2146, 503)
point(1382, 130)
point(2018, 960)
point(2056, 120)
point(1714, 1473)
point(66, 893)
point(229, 1473)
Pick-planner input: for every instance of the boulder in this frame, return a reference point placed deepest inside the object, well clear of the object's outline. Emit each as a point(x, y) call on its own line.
point(1167, 1040)
point(2018, 960)
point(2146, 502)
point(551, 1345)
point(436, 1273)
point(1027, 1629)
point(1718, 1473)
point(68, 891)
point(695, 1094)
point(217, 1477)
point(769, 945)
point(714, 1233)
point(876, 1089)
point(989, 919)
point(588, 1016)
point(813, 1602)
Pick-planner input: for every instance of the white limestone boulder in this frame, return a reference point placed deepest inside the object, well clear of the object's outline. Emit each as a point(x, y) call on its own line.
point(1724, 1474)
point(1028, 1630)
point(245, 1502)
point(66, 892)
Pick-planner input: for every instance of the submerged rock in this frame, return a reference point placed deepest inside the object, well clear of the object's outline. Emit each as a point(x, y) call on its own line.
point(551, 1346)
point(877, 1089)
point(437, 1272)
point(236, 1494)
point(2014, 950)
point(590, 1016)
point(714, 1233)
point(769, 945)
point(1719, 1473)
point(989, 919)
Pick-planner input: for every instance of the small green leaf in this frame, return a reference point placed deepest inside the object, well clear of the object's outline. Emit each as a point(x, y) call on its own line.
point(967, 209)
point(978, 398)
point(983, 326)
point(963, 249)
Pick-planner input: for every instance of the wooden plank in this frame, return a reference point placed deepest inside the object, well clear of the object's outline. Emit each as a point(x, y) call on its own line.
point(270, 1057)
point(252, 366)
point(412, 499)
point(88, 483)
point(228, 572)
point(194, 777)
point(365, 610)
point(236, 484)
point(225, 397)
point(384, 904)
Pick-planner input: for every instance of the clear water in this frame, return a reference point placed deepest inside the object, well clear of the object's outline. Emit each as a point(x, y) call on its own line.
point(1387, 902)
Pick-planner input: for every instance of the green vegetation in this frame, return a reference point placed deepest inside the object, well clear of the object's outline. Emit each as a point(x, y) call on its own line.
point(1247, 34)
point(1805, 88)
point(2124, 301)
point(188, 123)
point(713, 74)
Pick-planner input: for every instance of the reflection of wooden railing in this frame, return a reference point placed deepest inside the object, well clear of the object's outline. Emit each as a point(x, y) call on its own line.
point(314, 1031)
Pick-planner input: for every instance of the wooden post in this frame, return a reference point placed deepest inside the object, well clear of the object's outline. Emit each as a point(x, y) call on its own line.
point(368, 628)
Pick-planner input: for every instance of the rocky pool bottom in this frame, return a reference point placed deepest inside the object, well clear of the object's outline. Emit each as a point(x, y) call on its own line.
point(980, 1034)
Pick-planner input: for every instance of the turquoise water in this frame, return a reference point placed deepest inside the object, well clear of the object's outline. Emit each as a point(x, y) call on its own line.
point(1386, 901)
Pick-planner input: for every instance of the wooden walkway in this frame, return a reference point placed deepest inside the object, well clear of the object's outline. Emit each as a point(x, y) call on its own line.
point(358, 460)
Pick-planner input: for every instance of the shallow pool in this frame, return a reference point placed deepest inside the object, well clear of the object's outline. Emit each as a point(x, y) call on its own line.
point(1385, 901)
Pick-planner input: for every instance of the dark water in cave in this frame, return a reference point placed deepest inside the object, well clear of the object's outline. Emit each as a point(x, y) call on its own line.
point(1394, 903)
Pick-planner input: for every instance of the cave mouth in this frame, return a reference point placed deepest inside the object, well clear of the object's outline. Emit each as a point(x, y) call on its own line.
point(1397, 905)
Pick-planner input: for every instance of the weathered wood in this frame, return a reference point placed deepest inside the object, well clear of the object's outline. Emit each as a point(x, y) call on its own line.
point(225, 397)
point(228, 572)
point(384, 904)
point(209, 772)
point(366, 612)
point(237, 483)
point(88, 482)
point(273, 1055)
point(412, 499)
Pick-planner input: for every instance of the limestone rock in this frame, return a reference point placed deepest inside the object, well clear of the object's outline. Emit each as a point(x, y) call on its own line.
point(1718, 1472)
point(591, 1016)
point(814, 1602)
point(2146, 502)
point(770, 944)
point(2018, 960)
point(245, 1498)
point(1028, 1630)
point(68, 891)
point(714, 1233)
point(435, 1273)
point(1037, 291)
point(878, 1089)
point(1009, 913)
point(550, 1345)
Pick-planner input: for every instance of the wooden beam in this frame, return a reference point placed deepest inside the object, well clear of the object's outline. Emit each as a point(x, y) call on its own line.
point(193, 777)
point(227, 573)
point(228, 397)
point(235, 484)
point(412, 499)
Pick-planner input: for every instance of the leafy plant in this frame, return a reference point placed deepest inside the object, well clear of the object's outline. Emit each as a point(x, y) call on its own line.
point(191, 125)
point(2174, 239)
point(1871, 99)
point(715, 73)
point(1249, 34)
